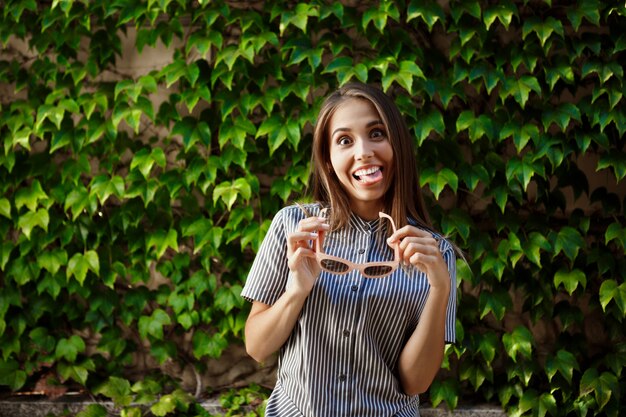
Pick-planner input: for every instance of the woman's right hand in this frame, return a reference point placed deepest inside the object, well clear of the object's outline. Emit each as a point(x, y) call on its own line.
point(301, 255)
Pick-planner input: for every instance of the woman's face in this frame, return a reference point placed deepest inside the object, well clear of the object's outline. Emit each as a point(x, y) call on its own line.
point(361, 155)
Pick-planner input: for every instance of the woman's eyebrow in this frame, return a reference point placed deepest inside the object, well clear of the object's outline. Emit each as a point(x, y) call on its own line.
point(347, 129)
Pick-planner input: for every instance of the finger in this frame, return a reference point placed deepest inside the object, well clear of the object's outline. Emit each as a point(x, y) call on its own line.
point(422, 261)
point(299, 239)
point(299, 256)
point(408, 250)
point(313, 223)
point(426, 242)
point(408, 231)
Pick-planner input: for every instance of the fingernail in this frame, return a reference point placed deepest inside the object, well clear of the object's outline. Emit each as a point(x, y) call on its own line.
point(313, 234)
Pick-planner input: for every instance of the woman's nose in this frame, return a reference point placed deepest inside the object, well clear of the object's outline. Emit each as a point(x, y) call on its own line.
point(363, 149)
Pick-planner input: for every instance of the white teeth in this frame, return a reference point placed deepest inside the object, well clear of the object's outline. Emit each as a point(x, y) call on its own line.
point(368, 171)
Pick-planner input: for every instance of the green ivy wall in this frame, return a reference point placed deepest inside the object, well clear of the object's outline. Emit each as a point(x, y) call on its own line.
point(132, 203)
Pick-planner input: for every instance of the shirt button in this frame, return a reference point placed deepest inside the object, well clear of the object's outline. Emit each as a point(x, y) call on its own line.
point(354, 287)
point(361, 251)
point(346, 333)
point(342, 377)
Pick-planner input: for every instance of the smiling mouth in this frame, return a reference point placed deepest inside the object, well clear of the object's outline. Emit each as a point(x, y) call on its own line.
point(369, 175)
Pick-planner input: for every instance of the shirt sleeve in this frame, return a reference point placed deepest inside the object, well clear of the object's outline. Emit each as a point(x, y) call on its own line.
point(450, 258)
point(268, 275)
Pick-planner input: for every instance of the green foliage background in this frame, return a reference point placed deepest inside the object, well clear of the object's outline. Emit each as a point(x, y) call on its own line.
point(131, 207)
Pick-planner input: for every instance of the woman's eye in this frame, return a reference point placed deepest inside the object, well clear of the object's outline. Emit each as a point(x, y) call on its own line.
point(377, 133)
point(344, 140)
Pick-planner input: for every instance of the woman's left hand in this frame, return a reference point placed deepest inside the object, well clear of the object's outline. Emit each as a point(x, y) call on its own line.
point(420, 249)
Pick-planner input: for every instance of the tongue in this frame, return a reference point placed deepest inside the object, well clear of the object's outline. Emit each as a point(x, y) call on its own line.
point(372, 178)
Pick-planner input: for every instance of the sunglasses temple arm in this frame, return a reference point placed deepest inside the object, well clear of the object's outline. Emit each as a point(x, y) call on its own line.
point(319, 242)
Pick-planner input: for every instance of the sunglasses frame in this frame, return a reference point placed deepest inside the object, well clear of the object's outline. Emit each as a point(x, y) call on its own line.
point(321, 256)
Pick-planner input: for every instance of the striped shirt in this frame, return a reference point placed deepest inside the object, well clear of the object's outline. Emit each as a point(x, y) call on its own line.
point(341, 356)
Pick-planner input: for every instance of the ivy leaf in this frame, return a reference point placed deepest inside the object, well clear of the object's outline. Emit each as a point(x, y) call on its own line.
point(457, 221)
point(426, 124)
point(228, 191)
point(491, 262)
point(208, 345)
point(228, 298)
point(145, 159)
point(569, 241)
point(51, 284)
point(473, 174)
point(496, 302)
point(444, 390)
point(570, 279)
point(522, 170)
point(589, 9)
point(430, 13)
point(379, 15)
point(438, 180)
point(604, 71)
point(503, 12)
point(518, 342)
point(31, 219)
point(93, 410)
point(561, 115)
point(204, 232)
point(471, 8)
point(475, 373)
point(283, 188)
point(69, 349)
point(79, 264)
point(77, 372)
point(30, 197)
point(487, 346)
point(543, 29)
point(615, 231)
point(547, 404)
point(117, 389)
point(521, 134)
point(343, 67)
point(477, 126)
point(278, 130)
point(165, 405)
point(5, 252)
point(610, 291)
point(53, 260)
point(615, 160)
point(153, 325)
point(11, 375)
point(403, 76)
point(602, 386)
point(161, 241)
point(53, 113)
point(77, 200)
point(298, 17)
point(5, 208)
point(234, 132)
point(103, 187)
point(533, 246)
point(564, 362)
point(519, 88)
point(562, 71)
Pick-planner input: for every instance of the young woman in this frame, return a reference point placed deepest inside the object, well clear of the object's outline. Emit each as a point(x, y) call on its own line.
point(356, 334)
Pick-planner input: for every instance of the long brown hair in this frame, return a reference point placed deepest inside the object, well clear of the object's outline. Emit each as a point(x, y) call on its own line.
point(404, 197)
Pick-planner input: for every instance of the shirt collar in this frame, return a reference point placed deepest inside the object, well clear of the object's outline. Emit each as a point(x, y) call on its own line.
point(362, 225)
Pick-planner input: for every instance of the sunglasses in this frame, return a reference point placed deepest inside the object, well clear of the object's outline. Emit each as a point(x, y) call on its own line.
point(341, 266)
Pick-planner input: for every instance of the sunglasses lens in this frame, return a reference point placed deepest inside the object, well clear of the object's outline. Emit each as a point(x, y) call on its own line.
point(378, 270)
point(332, 265)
